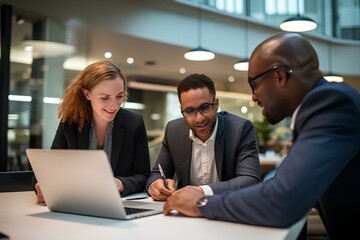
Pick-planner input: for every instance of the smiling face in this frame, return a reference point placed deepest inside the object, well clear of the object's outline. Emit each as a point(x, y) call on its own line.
point(201, 124)
point(268, 94)
point(269, 75)
point(106, 99)
point(282, 70)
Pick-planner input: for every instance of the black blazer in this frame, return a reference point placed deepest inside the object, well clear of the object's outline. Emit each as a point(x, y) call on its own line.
point(130, 159)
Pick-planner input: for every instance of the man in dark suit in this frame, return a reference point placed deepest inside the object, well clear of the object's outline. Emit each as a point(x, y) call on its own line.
point(321, 168)
point(216, 151)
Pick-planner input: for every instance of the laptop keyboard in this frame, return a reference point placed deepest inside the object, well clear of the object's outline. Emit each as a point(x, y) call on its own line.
point(130, 210)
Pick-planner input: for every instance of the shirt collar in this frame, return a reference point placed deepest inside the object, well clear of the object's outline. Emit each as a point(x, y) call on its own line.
point(292, 124)
point(320, 82)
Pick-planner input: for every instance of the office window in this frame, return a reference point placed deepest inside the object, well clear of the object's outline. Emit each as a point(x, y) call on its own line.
point(281, 7)
point(348, 19)
point(228, 6)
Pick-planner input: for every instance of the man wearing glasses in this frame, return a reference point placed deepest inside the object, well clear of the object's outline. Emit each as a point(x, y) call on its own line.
point(214, 151)
point(322, 167)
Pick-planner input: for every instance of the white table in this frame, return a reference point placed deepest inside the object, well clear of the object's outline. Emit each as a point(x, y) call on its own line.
point(22, 218)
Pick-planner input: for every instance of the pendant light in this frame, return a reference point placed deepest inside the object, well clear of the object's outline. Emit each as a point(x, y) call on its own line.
point(298, 23)
point(332, 77)
point(199, 53)
point(243, 64)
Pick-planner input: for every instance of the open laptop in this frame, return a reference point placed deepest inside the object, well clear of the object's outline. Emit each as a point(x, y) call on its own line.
point(82, 182)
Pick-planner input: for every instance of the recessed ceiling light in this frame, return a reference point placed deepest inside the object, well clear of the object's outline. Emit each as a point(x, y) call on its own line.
point(130, 60)
point(244, 109)
point(182, 70)
point(108, 55)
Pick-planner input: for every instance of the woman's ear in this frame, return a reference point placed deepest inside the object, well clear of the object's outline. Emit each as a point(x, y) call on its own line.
point(86, 94)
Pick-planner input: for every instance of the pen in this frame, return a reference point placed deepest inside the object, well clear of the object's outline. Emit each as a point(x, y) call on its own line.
point(163, 176)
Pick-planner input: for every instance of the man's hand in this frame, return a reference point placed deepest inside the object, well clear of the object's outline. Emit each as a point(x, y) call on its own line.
point(40, 197)
point(159, 192)
point(184, 201)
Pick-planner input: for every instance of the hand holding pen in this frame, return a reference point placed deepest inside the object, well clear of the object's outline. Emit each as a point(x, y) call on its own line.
point(161, 188)
point(163, 176)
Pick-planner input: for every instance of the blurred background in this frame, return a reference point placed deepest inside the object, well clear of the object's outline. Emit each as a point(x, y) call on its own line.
point(50, 42)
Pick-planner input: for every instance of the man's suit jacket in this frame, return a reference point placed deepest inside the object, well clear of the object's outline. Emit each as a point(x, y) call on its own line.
point(236, 153)
point(130, 159)
point(322, 166)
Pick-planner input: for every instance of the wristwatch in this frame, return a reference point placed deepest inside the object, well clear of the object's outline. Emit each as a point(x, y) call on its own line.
point(202, 202)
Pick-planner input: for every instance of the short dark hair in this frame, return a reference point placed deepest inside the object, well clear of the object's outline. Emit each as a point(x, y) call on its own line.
point(195, 81)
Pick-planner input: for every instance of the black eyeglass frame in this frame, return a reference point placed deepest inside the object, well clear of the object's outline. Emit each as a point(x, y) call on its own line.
point(198, 109)
point(286, 69)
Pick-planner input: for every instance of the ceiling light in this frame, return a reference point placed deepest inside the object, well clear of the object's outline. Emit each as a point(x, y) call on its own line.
point(108, 55)
point(20, 98)
point(20, 20)
point(52, 100)
point(182, 70)
point(130, 60)
point(298, 23)
point(231, 79)
point(42, 49)
point(331, 77)
point(199, 53)
point(134, 105)
point(242, 65)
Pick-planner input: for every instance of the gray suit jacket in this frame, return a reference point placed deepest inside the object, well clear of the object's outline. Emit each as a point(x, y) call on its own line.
point(236, 154)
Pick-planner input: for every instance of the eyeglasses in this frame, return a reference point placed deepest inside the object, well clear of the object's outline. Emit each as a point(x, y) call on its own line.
point(251, 80)
point(204, 109)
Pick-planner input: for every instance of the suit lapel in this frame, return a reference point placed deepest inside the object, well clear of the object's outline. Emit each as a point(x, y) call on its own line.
point(117, 138)
point(319, 83)
point(83, 137)
point(220, 145)
point(185, 157)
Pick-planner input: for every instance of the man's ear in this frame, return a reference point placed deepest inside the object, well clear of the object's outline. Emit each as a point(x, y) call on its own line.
point(282, 77)
point(216, 104)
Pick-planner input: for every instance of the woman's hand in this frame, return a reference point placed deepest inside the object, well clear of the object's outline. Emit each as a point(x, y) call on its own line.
point(119, 185)
point(40, 197)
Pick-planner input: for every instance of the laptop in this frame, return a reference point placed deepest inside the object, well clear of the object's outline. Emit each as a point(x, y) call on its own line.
point(82, 182)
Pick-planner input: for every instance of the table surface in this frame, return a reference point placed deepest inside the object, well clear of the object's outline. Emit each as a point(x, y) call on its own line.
point(22, 218)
